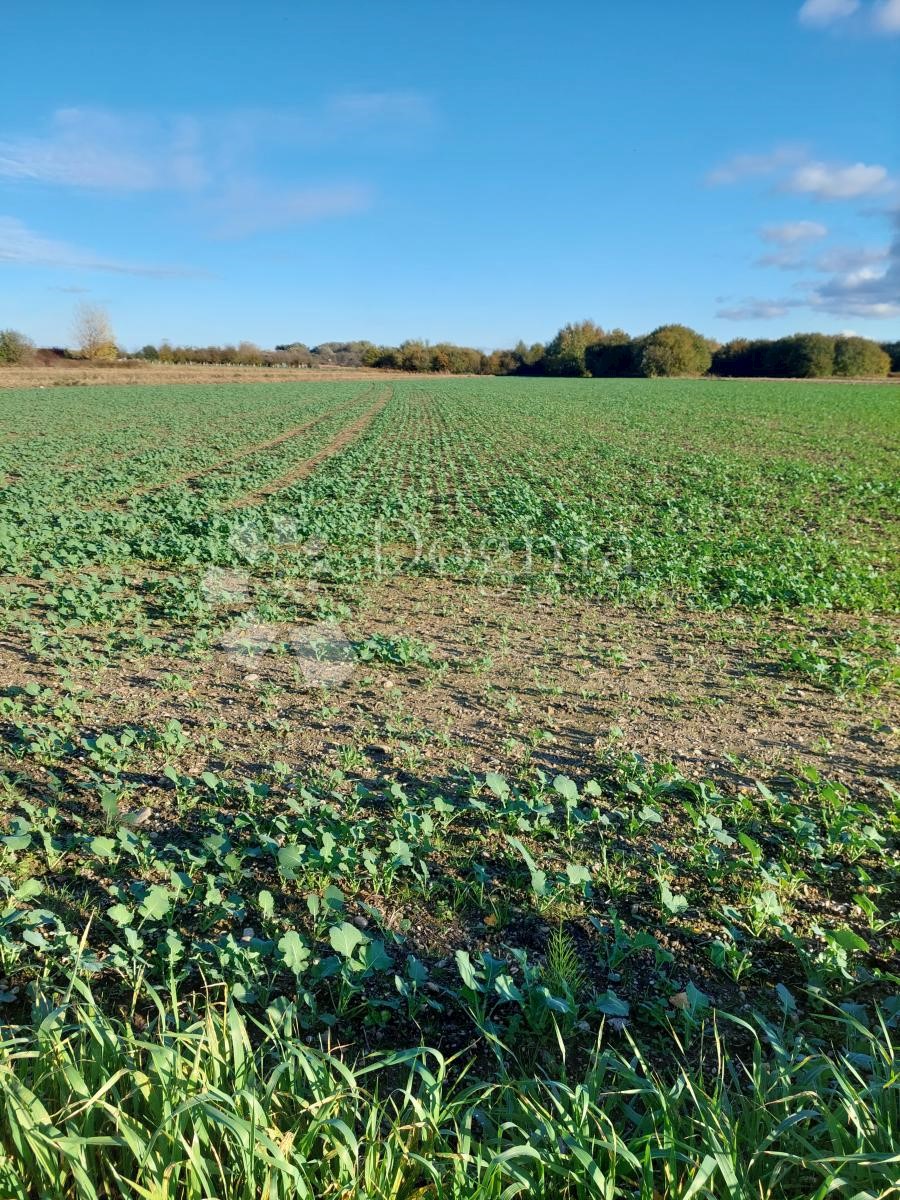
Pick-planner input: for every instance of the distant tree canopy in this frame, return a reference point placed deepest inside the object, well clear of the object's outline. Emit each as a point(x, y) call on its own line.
point(859, 356)
point(674, 350)
point(15, 347)
point(93, 333)
point(802, 356)
point(580, 348)
point(614, 355)
point(565, 354)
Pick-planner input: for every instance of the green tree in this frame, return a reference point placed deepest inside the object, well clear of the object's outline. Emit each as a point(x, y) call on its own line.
point(415, 356)
point(565, 355)
point(892, 350)
point(803, 356)
point(613, 356)
point(860, 356)
point(675, 350)
point(15, 347)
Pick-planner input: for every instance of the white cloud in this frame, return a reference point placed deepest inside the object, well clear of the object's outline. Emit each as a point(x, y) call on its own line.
point(886, 17)
point(831, 182)
point(784, 260)
point(749, 166)
point(799, 173)
point(251, 206)
point(217, 162)
point(861, 283)
point(793, 231)
point(100, 150)
point(867, 288)
point(826, 12)
point(879, 17)
point(850, 258)
point(21, 246)
point(755, 310)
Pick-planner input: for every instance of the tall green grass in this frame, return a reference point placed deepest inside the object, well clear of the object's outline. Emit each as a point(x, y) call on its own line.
point(227, 1106)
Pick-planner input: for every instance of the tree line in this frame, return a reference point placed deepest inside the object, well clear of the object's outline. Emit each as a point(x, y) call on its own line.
point(580, 348)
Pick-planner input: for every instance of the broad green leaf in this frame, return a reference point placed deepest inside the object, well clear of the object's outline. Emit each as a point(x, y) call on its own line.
point(156, 903)
point(566, 788)
point(121, 914)
point(345, 938)
point(294, 952)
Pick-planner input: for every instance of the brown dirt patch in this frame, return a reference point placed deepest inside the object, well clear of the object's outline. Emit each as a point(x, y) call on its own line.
point(517, 682)
point(71, 373)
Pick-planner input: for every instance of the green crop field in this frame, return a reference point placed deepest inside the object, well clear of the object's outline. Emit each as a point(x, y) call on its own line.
point(450, 788)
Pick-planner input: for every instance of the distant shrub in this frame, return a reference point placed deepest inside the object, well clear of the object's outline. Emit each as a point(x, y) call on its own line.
point(15, 347)
point(860, 356)
point(613, 356)
point(674, 350)
point(804, 356)
point(801, 356)
point(565, 354)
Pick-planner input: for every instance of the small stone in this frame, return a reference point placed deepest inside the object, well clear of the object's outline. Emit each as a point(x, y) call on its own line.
point(138, 817)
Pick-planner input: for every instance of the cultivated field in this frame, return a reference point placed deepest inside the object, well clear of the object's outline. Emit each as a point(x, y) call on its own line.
point(450, 787)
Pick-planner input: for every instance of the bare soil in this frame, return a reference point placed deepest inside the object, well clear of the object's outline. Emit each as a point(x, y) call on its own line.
point(517, 682)
point(72, 373)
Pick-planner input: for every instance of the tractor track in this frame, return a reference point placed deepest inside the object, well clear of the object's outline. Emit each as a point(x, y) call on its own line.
point(245, 451)
point(344, 438)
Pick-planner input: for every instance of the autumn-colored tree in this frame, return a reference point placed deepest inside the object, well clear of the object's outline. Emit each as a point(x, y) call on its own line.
point(860, 356)
point(613, 356)
point(93, 332)
point(565, 354)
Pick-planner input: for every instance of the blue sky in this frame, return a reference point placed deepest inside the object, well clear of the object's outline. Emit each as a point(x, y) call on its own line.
point(478, 172)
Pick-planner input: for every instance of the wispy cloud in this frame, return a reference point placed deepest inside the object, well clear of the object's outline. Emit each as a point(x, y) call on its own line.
point(21, 246)
point(751, 166)
point(882, 17)
point(784, 260)
point(103, 151)
point(795, 171)
point(865, 286)
point(791, 232)
point(218, 162)
point(833, 182)
point(249, 207)
point(826, 12)
point(860, 281)
point(850, 258)
point(886, 17)
point(752, 309)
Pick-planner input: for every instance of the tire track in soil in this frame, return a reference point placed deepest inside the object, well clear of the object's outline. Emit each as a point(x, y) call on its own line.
point(347, 435)
point(246, 451)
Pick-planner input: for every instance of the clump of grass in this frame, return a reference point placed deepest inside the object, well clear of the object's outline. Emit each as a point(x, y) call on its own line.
point(220, 1104)
point(563, 971)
